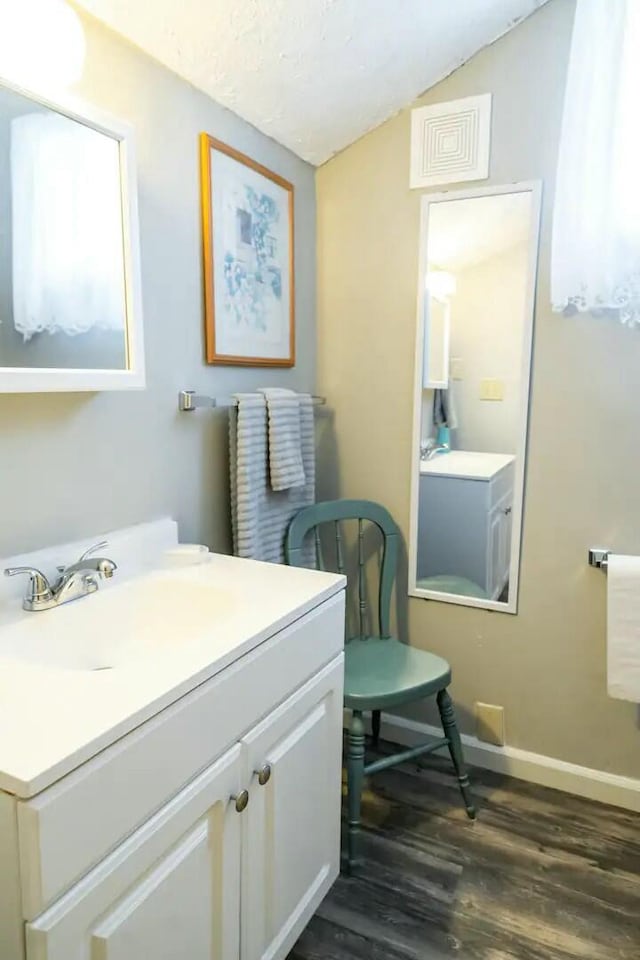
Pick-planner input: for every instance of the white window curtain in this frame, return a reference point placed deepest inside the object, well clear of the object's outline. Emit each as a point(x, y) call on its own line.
point(66, 222)
point(596, 224)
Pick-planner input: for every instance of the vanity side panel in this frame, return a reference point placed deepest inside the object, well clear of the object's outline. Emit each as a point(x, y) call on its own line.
point(107, 798)
point(502, 484)
point(11, 926)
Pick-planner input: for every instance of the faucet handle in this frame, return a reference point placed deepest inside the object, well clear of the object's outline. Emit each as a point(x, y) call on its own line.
point(93, 548)
point(38, 588)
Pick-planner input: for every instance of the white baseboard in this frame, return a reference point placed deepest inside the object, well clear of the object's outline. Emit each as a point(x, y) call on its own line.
point(534, 767)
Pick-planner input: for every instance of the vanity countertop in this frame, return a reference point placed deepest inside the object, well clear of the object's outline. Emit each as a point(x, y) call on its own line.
point(52, 719)
point(467, 465)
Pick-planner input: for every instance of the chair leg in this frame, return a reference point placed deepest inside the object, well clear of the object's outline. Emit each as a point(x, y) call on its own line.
point(355, 777)
point(450, 727)
point(375, 726)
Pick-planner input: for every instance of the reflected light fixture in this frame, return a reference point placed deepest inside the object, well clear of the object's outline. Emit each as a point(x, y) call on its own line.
point(42, 44)
point(441, 284)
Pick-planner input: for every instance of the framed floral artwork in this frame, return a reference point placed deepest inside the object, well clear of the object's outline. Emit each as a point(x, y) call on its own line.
point(247, 225)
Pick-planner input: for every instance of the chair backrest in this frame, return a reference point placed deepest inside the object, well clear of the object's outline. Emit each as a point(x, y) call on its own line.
point(334, 511)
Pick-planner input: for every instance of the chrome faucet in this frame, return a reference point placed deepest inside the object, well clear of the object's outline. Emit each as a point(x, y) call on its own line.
point(77, 580)
point(430, 449)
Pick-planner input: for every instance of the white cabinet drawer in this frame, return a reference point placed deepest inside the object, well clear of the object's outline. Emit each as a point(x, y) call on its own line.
point(68, 828)
point(170, 890)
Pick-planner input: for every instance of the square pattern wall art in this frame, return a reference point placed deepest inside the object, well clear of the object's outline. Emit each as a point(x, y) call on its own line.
point(247, 219)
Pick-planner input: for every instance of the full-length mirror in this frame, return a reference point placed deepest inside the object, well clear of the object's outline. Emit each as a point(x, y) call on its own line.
point(478, 260)
point(69, 299)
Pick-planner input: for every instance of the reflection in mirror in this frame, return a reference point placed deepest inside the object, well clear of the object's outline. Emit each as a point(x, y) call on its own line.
point(62, 267)
point(475, 315)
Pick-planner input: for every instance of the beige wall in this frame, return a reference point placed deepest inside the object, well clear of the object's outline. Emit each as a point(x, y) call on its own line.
point(488, 315)
point(546, 665)
point(74, 464)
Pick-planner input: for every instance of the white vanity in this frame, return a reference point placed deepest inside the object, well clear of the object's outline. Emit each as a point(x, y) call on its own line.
point(465, 515)
point(170, 763)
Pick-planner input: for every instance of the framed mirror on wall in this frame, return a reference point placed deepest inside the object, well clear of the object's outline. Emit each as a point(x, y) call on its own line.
point(476, 293)
point(70, 299)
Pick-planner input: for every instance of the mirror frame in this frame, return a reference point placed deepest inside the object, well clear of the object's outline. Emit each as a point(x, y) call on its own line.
point(70, 380)
point(534, 187)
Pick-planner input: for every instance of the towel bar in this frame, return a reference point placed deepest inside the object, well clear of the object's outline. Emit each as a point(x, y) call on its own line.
point(599, 557)
point(189, 400)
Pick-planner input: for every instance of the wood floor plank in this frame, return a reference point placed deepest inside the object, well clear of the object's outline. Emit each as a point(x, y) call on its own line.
point(556, 852)
point(540, 875)
point(324, 940)
point(532, 891)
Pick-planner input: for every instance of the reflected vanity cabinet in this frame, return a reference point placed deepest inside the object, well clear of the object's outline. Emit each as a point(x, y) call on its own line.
point(211, 832)
point(465, 521)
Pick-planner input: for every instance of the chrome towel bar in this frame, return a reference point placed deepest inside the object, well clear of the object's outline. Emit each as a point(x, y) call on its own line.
point(189, 400)
point(599, 557)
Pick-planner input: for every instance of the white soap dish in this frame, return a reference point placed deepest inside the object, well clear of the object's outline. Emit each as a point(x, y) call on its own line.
point(186, 555)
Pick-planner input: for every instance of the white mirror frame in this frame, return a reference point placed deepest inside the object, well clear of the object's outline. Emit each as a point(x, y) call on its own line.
point(70, 380)
point(534, 187)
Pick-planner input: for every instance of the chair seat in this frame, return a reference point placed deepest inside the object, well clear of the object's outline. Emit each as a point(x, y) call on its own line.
point(448, 583)
point(382, 672)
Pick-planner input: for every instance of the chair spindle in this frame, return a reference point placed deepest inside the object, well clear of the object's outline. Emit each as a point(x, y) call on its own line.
point(319, 560)
point(362, 601)
point(339, 555)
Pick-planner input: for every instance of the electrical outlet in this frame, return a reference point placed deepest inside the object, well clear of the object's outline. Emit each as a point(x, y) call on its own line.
point(490, 723)
point(491, 389)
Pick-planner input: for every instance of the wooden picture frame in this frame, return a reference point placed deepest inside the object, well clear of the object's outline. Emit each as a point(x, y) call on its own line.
point(248, 259)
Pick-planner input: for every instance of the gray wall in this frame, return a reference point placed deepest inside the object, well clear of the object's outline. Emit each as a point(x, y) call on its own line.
point(72, 464)
point(547, 666)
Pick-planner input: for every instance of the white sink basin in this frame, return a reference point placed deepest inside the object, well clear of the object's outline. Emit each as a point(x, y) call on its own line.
point(466, 464)
point(119, 624)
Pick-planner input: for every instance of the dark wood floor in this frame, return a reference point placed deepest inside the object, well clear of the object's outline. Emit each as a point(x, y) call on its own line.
point(540, 875)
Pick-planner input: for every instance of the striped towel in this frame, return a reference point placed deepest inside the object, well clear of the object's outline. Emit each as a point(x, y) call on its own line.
point(286, 469)
point(260, 515)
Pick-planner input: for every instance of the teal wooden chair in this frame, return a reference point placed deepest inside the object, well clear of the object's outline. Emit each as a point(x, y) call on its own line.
point(380, 671)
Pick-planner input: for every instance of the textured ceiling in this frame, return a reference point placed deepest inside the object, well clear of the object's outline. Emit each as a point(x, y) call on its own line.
point(313, 74)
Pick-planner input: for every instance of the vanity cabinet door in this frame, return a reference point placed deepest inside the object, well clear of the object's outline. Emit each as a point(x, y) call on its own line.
point(171, 890)
point(494, 553)
point(499, 547)
point(291, 829)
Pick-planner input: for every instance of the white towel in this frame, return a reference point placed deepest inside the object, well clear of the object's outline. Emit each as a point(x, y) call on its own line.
point(623, 628)
point(260, 516)
point(286, 469)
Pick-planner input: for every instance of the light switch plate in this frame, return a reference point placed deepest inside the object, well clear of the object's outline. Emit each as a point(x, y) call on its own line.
point(491, 389)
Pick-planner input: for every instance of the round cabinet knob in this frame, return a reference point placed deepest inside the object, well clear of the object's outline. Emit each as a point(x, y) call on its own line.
point(241, 800)
point(264, 774)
